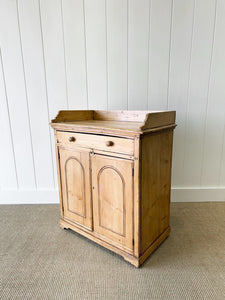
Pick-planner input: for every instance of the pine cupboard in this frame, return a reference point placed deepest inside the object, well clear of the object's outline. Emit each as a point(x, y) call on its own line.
point(114, 174)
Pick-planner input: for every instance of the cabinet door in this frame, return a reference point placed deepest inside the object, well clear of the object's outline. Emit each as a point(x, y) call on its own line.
point(76, 187)
point(112, 184)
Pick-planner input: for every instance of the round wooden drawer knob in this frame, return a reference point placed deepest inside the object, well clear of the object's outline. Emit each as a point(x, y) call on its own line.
point(109, 143)
point(72, 139)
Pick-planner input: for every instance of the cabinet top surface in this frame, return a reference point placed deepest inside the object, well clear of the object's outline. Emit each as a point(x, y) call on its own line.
point(135, 122)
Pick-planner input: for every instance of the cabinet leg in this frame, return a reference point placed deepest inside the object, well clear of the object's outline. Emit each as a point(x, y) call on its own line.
point(63, 226)
point(132, 260)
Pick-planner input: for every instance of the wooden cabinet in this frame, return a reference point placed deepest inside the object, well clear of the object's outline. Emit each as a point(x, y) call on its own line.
point(114, 171)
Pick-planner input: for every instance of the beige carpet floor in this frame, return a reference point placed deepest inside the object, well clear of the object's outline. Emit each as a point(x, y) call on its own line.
point(41, 261)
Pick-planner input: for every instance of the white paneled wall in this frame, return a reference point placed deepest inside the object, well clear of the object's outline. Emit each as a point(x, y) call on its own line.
point(111, 54)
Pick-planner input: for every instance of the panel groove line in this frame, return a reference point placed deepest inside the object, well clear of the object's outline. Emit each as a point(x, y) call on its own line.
point(138, 54)
point(178, 83)
point(85, 50)
point(31, 37)
point(64, 53)
point(106, 46)
point(213, 173)
point(170, 46)
point(96, 53)
point(188, 86)
point(198, 88)
point(149, 40)
point(9, 120)
point(117, 53)
point(159, 53)
point(208, 92)
point(16, 93)
point(26, 94)
point(52, 31)
point(74, 37)
point(127, 52)
point(46, 92)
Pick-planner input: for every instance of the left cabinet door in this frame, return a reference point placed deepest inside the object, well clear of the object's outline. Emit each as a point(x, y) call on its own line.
point(74, 167)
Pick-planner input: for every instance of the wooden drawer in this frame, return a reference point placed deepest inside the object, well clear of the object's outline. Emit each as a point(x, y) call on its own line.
point(94, 141)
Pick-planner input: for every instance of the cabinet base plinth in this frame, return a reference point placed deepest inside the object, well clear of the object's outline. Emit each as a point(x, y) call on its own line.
point(136, 261)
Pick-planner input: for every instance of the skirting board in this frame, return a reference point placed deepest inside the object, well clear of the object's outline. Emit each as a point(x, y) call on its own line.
point(197, 194)
point(52, 196)
point(29, 196)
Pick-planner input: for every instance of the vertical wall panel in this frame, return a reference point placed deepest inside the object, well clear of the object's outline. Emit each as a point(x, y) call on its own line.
point(52, 30)
point(95, 21)
point(16, 92)
point(8, 177)
point(31, 40)
point(116, 14)
point(198, 90)
point(53, 43)
point(112, 54)
point(181, 38)
point(138, 54)
point(214, 130)
point(160, 25)
point(75, 53)
point(95, 35)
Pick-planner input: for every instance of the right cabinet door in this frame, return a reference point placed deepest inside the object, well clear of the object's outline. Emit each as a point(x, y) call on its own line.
point(112, 185)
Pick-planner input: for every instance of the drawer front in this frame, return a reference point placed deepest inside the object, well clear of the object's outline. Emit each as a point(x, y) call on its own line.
point(98, 142)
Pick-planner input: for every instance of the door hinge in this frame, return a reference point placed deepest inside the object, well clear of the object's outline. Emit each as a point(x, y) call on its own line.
point(133, 242)
point(133, 172)
point(58, 155)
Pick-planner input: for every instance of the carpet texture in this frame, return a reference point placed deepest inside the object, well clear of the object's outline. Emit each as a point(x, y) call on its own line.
point(38, 260)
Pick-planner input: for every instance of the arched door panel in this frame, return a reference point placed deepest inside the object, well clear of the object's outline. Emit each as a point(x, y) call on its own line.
point(113, 199)
point(75, 177)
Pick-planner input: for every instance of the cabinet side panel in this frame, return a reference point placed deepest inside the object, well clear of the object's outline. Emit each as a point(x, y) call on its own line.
point(156, 185)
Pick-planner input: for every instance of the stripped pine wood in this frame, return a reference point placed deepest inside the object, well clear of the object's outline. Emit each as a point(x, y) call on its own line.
point(156, 178)
point(104, 143)
point(139, 119)
point(124, 181)
point(112, 183)
point(75, 184)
